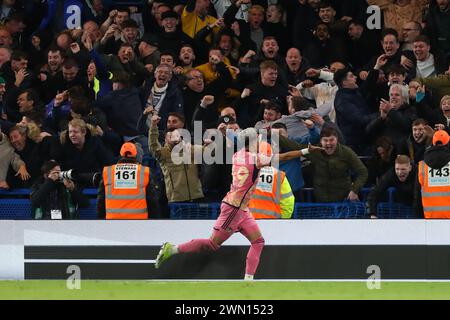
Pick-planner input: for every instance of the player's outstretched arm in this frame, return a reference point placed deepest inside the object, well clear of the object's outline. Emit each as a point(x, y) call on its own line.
point(288, 155)
point(297, 153)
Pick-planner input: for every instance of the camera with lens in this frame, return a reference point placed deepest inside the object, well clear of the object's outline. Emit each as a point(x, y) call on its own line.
point(92, 178)
point(69, 174)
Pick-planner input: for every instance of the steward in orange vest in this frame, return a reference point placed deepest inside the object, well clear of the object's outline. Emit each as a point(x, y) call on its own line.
point(125, 190)
point(434, 178)
point(272, 198)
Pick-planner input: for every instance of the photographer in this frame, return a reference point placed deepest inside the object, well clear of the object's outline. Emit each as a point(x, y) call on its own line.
point(55, 198)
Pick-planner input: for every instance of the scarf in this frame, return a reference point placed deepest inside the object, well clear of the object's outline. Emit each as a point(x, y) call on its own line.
point(157, 96)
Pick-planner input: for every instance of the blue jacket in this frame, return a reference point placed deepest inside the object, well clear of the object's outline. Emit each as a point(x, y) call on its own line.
point(123, 109)
point(102, 83)
point(293, 168)
point(352, 115)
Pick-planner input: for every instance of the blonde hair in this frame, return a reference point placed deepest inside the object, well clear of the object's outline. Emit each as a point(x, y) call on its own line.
point(78, 123)
point(444, 98)
point(402, 159)
point(257, 7)
point(33, 132)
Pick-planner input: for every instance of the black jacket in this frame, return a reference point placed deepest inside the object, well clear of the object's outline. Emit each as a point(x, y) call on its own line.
point(404, 191)
point(279, 32)
point(250, 110)
point(393, 60)
point(415, 151)
point(31, 155)
point(48, 194)
point(375, 91)
point(294, 78)
point(244, 38)
point(323, 53)
point(304, 23)
point(123, 109)
point(397, 124)
point(436, 28)
point(172, 41)
point(360, 51)
point(352, 115)
point(92, 158)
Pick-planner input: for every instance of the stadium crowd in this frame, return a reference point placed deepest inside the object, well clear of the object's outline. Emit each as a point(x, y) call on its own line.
point(78, 78)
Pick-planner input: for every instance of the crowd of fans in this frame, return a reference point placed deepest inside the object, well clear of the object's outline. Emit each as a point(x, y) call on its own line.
point(76, 83)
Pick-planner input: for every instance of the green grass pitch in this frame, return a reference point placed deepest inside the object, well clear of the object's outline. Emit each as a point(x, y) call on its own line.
point(216, 290)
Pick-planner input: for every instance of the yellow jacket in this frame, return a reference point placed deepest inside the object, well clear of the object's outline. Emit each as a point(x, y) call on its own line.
point(191, 23)
point(210, 74)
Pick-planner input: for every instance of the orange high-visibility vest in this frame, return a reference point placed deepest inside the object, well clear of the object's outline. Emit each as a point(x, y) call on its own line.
point(265, 201)
point(125, 195)
point(435, 191)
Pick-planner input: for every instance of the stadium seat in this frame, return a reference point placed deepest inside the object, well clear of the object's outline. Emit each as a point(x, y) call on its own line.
point(194, 210)
point(332, 210)
point(15, 209)
point(89, 213)
point(390, 210)
point(14, 192)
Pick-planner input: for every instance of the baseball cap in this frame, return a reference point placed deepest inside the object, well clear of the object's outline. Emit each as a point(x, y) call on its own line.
point(128, 150)
point(169, 14)
point(150, 39)
point(441, 137)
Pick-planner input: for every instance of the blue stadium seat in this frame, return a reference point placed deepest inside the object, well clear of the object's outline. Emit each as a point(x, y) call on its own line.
point(332, 210)
point(15, 209)
point(194, 210)
point(15, 204)
point(89, 213)
point(91, 192)
point(390, 210)
point(26, 192)
point(364, 193)
point(15, 192)
point(308, 194)
point(20, 209)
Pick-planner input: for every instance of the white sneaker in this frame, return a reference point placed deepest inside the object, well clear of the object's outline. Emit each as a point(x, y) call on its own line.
point(248, 277)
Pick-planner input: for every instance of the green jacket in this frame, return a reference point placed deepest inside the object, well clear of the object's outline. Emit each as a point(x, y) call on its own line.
point(181, 180)
point(332, 174)
point(440, 85)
